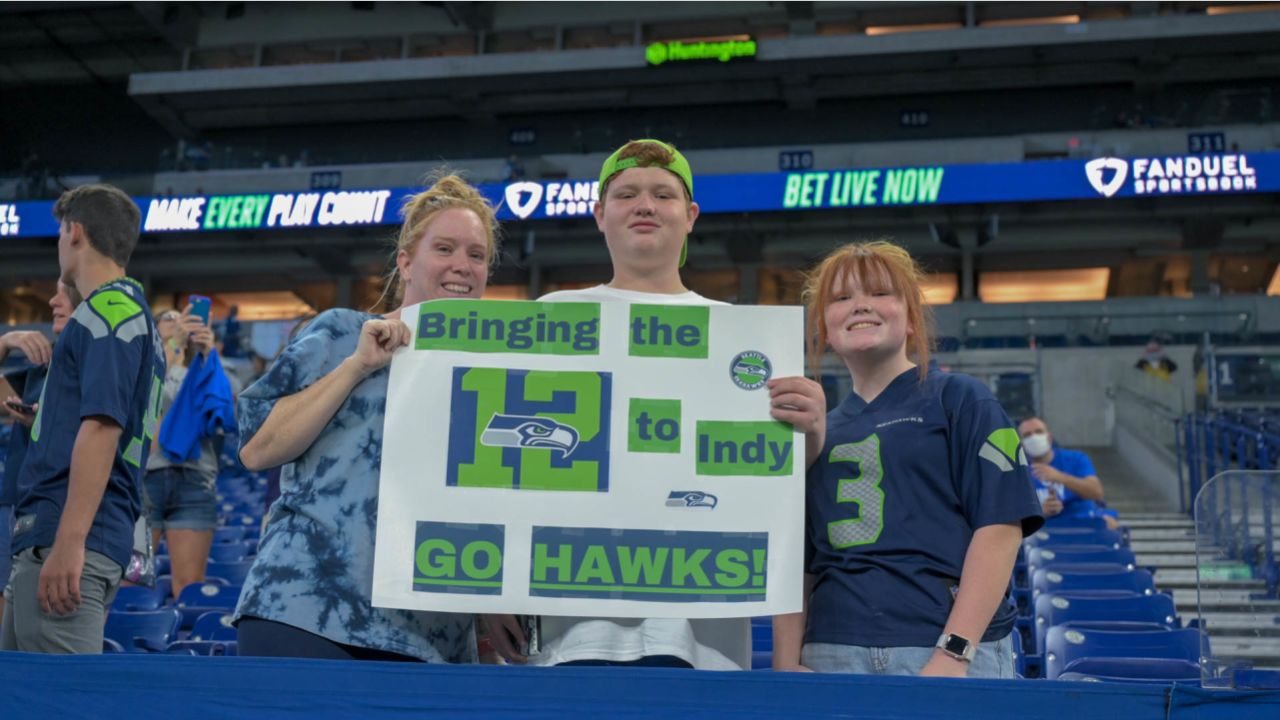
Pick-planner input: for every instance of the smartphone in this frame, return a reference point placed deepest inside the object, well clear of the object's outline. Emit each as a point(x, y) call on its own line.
point(200, 307)
point(21, 407)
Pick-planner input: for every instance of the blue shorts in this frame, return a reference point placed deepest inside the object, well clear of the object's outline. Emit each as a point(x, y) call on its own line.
point(179, 498)
point(6, 543)
point(994, 659)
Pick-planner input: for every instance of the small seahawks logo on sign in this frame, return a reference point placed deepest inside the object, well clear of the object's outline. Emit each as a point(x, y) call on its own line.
point(750, 370)
point(691, 498)
point(530, 431)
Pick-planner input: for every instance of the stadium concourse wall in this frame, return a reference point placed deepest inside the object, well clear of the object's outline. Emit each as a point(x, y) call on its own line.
point(142, 687)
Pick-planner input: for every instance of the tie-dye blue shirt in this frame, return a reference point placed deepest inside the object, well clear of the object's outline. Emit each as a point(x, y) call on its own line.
point(314, 568)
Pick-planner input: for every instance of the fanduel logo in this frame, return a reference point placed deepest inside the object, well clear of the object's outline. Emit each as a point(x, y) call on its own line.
point(1174, 175)
point(1093, 171)
point(523, 198)
point(10, 223)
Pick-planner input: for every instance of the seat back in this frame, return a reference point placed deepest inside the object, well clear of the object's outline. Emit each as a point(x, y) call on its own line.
point(1046, 556)
point(214, 625)
point(1066, 644)
point(143, 631)
point(1057, 608)
point(1057, 537)
point(135, 598)
point(234, 572)
point(1099, 579)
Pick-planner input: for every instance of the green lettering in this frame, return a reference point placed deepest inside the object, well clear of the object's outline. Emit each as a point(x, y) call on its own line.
point(211, 213)
point(435, 558)
point(791, 197)
point(930, 184)
point(633, 562)
point(732, 565)
point(536, 471)
point(892, 187)
point(562, 563)
point(595, 566)
point(689, 566)
point(493, 561)
point(486, 469)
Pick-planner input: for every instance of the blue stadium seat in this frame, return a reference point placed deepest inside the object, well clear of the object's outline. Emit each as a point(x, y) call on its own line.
point(1048, 556)
point(232, 552)
point(163, 566)
point(197, 599)
point(1144, 671)
point(110, 646)
point(233, 572)
point(1079, 521)
point(203, 648)
point(228, 535)
point(1098, 579)
point(213, 625)
point(1053, 609)
point(133, 598)
point(1065, 646)
point(240, 520)
point(147, 631)
point(761, 660)
point(1058, 537)
point(762, 638)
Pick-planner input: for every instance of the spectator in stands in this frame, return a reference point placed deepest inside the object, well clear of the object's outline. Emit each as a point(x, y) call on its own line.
point(74, 526)
point(229, 334)
point(646, 211)
point(38, 351)
point(1155, 362)
point(513, 169)
point(919, 499)
point(318, 411)
point(1065, 479)
point(180, 500)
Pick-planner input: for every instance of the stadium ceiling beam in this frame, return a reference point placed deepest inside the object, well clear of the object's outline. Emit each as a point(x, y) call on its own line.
point(176, 22)
point(474, 16)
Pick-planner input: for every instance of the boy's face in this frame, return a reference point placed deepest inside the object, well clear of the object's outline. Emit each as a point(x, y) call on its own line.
point(66, 251)
point(645, 216)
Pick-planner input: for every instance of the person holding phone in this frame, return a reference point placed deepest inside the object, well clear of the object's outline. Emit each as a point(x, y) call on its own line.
point(22, 407)
point(319, 411)
point(179, 494)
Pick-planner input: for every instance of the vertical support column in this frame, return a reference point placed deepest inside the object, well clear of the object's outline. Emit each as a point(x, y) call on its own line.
point(342, 292)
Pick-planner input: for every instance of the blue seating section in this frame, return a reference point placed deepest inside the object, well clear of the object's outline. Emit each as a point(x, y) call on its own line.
point(196, 623)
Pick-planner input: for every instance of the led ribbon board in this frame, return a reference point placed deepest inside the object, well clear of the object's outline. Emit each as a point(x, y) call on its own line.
point(1101, 179)
point(591, 459)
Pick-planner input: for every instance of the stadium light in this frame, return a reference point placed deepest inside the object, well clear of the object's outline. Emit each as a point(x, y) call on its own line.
point(1044, 285)
point(921, 27)
point(1022, 22)
point(1242, 8)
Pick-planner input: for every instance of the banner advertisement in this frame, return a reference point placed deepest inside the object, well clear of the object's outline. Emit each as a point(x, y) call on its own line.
point(801, 189)
point(591, 459)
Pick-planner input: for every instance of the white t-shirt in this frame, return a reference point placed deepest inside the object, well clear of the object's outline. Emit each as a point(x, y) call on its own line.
point(719, 644)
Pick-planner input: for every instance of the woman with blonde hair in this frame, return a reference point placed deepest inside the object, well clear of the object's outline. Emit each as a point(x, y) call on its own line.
point(919, 499)
point(319, 412)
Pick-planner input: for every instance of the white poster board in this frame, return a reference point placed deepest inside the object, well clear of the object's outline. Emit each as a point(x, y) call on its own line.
point(591, 459)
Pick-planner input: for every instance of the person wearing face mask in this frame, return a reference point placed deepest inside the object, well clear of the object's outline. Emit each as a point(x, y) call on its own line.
point(36, 347)
point(318, 411)
point(1066, 482)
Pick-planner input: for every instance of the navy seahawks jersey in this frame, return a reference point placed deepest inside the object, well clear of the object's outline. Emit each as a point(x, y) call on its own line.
point(108, 362)
point(893, 501)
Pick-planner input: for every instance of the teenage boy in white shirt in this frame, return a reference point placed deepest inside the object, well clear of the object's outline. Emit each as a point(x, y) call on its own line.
point(646, 212)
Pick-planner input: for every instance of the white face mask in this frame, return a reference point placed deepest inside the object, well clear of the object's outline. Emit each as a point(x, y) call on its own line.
point(1037, 445)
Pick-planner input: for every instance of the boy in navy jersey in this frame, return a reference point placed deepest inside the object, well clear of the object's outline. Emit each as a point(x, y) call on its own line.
point(918, 501)
point(74, 524)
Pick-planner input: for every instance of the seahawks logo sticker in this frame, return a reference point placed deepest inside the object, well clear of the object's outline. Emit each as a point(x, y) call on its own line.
point(750, 370)
point(525, 431)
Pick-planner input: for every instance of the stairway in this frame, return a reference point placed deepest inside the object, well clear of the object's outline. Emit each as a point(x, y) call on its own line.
point(1241, 625)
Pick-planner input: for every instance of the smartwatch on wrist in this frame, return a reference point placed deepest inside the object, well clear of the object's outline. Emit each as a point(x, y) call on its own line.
point(957, 647)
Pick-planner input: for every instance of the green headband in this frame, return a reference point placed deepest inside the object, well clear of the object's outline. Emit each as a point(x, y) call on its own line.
point(678, 166)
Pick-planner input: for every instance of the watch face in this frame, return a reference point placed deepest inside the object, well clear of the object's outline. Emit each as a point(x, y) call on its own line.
point(956, 645)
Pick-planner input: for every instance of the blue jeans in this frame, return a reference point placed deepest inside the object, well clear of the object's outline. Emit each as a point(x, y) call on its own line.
point(994, 659)
point(180, 498)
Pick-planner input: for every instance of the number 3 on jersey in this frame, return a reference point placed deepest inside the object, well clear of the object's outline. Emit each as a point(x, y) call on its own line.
point(863, 490)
